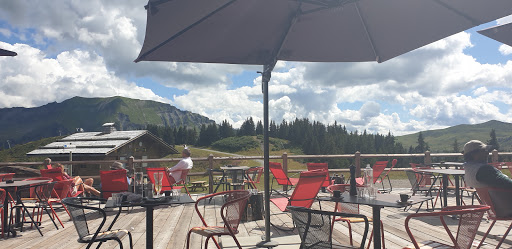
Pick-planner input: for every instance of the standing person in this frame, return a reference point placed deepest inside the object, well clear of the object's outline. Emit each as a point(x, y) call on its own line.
point(479, 174)
point(85, 186)
point(183, 164)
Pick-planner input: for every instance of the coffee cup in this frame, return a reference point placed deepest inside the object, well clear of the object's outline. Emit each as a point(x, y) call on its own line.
point(404, 197)
point(336, 194)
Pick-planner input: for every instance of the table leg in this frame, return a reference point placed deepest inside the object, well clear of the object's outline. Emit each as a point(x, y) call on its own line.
point(149, 227)
point(376, 227)
point(445, 192)
point(457, 190)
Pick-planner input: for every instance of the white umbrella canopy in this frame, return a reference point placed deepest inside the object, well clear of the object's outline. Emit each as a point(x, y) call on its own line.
point(501, 33)
point(261, 32)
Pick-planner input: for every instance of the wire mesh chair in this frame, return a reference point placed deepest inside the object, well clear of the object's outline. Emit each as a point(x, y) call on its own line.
point(352, 209)
point(234, 203)
point(315, 229)
point(82, 219)
point(500, 208)
point(42, 192)
point(469, 221)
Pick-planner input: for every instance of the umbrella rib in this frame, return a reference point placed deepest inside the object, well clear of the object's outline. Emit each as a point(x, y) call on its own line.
point(472, 20)
point(285, 34)
point(141, 57)
point(374, 49)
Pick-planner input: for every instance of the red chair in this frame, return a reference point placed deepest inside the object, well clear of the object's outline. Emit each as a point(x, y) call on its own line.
point(378, 168)
point(351, 209)
point(253, 176)
point(469, 221)
point(280, 177)
point(321, 166)
point(166, 181)
point(509, 166)
point(386, 175)
point(57, 176)
point(61, 190)
point(230, 212)
point(113, 181)
point(500, 208)
point(3, 178)
point(305, 190)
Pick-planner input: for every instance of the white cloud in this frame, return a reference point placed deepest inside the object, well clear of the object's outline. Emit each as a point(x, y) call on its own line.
point(505, 49)
point(32, 79)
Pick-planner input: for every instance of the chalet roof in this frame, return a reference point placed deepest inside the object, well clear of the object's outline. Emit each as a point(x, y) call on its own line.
point(95, 143)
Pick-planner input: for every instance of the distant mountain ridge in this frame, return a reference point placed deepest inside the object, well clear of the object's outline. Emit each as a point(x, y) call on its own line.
point(21, 125)
point(442, 140)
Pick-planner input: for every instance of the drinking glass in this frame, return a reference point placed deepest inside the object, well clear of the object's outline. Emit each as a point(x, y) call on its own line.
point(158, 182)
point(139, 180)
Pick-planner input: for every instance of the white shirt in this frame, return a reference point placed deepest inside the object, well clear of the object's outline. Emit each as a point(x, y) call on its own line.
point(185, 163)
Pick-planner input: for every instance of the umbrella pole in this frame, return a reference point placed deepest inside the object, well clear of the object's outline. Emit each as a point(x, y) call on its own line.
point(266, 74)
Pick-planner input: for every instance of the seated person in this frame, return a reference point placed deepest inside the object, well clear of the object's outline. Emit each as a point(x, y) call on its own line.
point(184, 163)
point(117, 166)
point(78, 184)
point(479, 174)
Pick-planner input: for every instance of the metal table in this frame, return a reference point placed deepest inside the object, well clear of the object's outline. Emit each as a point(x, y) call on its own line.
point(150, 206)
point(456, 173)
point(7, 187)
point(234, 172)
point(382, 200)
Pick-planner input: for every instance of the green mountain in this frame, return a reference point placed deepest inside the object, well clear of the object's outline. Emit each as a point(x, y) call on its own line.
point(442, 140)
point(21, 125)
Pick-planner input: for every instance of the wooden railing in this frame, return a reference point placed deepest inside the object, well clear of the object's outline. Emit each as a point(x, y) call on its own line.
point(357, 158)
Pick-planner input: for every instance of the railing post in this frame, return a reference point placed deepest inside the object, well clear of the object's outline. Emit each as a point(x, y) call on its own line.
point(285, 168)
point(131, 165)
point(494, 156)
point(357, 162)
point(427, 160)
point(210, 174)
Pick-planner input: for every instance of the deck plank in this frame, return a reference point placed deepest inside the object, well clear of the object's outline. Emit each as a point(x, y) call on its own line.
point(171, 225)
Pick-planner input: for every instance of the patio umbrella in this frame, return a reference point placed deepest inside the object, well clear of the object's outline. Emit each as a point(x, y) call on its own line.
point(4, 52)
point(260, 32)
point(501, 33)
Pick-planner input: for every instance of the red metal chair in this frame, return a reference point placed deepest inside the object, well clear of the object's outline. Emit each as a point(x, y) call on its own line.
point(351, 209)
point(113, 181)
point(57, 176)
point(280, 177)
point(61, 190)
point(253, 176)
point(305, 190)
point(378, 167)
point(381, 178)
point(469, 221)
point(3, 178)
point(230, 212)
point(166, 181)
point(500, 208)
point(321, 166)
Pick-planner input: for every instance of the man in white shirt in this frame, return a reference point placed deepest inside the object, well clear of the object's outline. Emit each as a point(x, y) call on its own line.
point(175, 172)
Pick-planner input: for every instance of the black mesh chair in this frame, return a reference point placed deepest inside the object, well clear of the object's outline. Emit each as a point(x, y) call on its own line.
point(80, 218)
point(315, 227)
point(42, 193)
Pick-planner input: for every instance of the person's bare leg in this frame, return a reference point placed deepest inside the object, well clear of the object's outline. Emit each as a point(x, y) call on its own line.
point(89, 188)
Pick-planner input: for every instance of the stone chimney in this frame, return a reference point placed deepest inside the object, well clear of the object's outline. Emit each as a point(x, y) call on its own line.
point(108, 128)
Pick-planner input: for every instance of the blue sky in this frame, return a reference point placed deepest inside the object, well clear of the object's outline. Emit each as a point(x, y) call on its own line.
point(87, 48)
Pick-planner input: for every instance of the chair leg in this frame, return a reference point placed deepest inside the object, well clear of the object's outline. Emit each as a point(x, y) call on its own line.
point(120, 243)
point(188, 238)
point(350, 232)
point(485, 235)
point(504, 236)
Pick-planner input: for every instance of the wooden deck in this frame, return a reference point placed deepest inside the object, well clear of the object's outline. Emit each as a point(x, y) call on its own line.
point(171, 225)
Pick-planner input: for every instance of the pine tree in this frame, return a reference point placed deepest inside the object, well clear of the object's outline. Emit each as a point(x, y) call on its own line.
point(456, 148)
point(259, 128)
point(493, 141)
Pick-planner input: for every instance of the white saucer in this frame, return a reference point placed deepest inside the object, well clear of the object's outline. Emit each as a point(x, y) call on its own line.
point(406, 202)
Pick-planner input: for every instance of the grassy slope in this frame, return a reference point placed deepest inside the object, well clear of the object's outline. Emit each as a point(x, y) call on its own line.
point(442, 140)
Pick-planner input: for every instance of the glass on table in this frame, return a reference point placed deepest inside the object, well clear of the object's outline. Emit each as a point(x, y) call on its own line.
point(158, 182)
point(176, 194)
point(117, 198)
